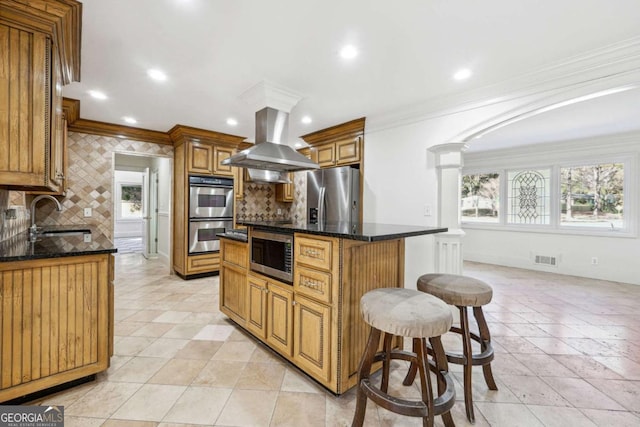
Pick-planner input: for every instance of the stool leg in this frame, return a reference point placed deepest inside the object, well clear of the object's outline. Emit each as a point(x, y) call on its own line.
point(485, 336)
point(441, 365)
point(413, 368)
point(363, 374)
point(425, 381)
point(386, 362)
point(468, 363)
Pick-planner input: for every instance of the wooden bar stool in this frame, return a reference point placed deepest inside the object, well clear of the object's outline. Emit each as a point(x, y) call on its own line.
point(406, 313)
point(463, 292)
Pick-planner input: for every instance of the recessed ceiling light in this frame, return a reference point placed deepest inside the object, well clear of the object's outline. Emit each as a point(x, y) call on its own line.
point(231, 121)
point(349, 52)
point(97, 94)
point(306, 120)
point(157, 75)
point(130, 120)
point(298, 144)
point(462, 74)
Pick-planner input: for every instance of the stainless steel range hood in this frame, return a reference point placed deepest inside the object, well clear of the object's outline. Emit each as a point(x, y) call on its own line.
point(270, 155)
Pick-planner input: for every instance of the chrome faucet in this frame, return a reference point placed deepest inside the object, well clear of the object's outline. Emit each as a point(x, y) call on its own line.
point(33, 230)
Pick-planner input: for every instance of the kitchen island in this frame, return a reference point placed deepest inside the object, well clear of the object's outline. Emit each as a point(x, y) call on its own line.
point(314, 321)
point(56, 309)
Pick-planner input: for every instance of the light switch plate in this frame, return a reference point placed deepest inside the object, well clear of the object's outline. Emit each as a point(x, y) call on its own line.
point(87, 237)
point(87, 212)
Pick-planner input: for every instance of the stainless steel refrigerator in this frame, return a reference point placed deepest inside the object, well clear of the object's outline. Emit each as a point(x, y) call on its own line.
point(333, 195)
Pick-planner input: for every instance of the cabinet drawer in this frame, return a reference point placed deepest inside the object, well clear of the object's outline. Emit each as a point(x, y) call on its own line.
point(234, 252)
point(203, 263)
point(313, 252)
point(313, 283)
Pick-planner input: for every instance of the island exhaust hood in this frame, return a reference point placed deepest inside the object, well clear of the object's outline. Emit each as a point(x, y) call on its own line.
point(271, 158)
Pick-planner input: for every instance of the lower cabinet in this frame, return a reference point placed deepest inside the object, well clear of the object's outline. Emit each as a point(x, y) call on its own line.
point(270, 313)
point(233, 279)
point(57, 321)
point(312, 340)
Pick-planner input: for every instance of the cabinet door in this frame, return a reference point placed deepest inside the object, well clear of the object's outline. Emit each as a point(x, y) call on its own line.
point(326, 155)
point(200, 158)
point(238, 183)
point(284, 192)
point(312, 341)
point(222, 153)
point(348, 151)
point(25, 103)
point(257, 306)
point(233, 292)
point(280, 319)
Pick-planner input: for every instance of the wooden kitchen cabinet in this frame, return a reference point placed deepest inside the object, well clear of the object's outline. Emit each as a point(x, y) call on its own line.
point(197, 152)
point(257, 306)
point(233, 280)
point(280, 317)
point(32, 128)
point(284, 192)
point(270, 312)
point(57, 321)
point(312, 341)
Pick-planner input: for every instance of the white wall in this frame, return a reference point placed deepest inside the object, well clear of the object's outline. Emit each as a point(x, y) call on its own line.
point(400, 178)
point(618, 256)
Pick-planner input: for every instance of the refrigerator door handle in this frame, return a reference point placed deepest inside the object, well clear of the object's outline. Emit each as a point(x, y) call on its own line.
point(321, 205)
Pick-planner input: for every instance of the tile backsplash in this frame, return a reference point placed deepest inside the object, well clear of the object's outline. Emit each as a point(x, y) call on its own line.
point(259, 202)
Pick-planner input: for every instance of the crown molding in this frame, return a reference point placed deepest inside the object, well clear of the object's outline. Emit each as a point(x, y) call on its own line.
point(603, 145)
point(118, 131)
point(353, 128)
point(181, 133)
point(596, 66)
point(60, 19)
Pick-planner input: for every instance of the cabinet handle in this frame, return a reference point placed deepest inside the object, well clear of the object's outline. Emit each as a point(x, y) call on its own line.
point(293, 303)
point(266, 291)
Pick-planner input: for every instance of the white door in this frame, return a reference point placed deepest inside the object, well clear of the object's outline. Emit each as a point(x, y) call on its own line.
point(152, 234)
point(145, 213)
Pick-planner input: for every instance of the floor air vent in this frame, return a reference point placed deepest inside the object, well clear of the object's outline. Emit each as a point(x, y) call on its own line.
point(546, 260)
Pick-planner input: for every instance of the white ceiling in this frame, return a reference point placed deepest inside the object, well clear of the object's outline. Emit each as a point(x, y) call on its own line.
point(214, 50)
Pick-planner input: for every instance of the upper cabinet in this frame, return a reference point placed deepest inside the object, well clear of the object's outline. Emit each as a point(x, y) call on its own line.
point(205, 150)
point(339, 145)
point(40, 45)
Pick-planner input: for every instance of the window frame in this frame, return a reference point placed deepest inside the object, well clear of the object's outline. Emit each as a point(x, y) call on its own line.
point(119, 186)
point(629, 229)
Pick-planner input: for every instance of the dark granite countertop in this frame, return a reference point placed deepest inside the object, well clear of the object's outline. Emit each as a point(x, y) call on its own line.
point(368, 232)
point(239, 235)
point(19, 248)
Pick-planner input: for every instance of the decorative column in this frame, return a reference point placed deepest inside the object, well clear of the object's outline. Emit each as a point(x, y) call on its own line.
point(448, 162)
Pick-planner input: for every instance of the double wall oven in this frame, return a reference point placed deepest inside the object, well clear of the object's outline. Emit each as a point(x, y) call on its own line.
point(210, 212)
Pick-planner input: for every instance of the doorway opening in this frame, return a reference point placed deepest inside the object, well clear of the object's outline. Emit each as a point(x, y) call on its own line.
point(142, 204)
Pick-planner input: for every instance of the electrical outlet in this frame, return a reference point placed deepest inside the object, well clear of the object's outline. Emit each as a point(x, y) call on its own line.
point(87, 212)
point(87, 237)
point(279, 211)
point(427, 210)
point(594, 260)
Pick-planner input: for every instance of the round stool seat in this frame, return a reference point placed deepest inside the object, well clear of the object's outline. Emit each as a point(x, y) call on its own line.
point(406, 312)
point(461, 291)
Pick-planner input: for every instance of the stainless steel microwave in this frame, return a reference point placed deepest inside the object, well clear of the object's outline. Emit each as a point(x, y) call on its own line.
point(272, 254)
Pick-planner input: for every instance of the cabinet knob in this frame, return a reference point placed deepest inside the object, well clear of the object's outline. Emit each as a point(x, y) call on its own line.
point(293, 303)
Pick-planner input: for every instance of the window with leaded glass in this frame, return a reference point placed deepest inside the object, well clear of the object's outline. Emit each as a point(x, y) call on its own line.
point(529, 196)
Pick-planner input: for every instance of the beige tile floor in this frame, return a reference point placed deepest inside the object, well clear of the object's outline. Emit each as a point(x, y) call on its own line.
point(567, 354)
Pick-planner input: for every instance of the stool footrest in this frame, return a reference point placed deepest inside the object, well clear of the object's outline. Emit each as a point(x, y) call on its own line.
point(412, 408)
